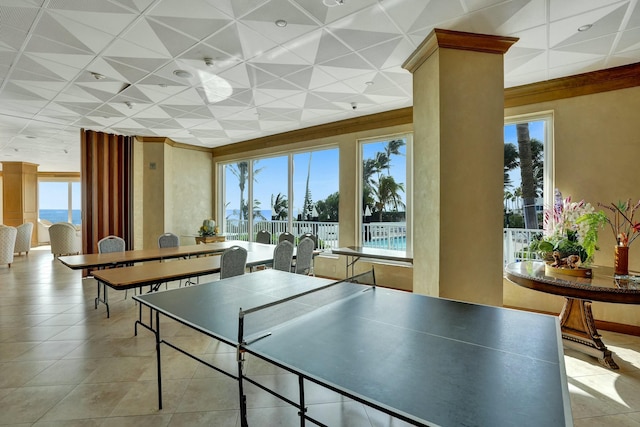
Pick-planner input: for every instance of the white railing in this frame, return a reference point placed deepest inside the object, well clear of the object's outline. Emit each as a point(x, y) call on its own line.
point(385, 235)
point(516, 244)
point(327, 232)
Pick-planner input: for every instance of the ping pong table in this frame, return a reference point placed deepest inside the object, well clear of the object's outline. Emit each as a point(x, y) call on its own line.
point(425, 360)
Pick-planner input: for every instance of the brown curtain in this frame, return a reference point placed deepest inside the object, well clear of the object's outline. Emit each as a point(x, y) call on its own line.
point(106, 178)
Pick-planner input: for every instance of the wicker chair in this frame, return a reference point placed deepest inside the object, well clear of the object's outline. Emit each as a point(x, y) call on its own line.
point(64, 239)
point(7, 244)
point(23, 239)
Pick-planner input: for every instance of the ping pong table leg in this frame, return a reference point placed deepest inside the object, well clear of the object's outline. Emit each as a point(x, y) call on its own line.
point(243, 398)
point(303, 408)
point(157, 334)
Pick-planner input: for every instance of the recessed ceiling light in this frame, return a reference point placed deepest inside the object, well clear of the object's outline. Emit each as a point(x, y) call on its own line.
point(585, 27)
point(183, 74)
point(209, 62)
point(281, 23)
point(129, 104)
point(97, 76)
point(369, 83)
point(331, 3)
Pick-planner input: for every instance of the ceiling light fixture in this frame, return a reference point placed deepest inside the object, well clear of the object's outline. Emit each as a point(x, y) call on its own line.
point(97, 76)
point(209, 62)
point(585, 27)
point(331, 3)
point(129, 104)
point(281, 23)
point(183, 74)
point(369, 83)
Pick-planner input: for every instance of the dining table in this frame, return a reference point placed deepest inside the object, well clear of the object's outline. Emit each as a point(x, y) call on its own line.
point(576, 318)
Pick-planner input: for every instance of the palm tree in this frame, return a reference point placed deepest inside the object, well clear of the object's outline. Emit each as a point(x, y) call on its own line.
point(510, 162)
point(241, 171)
point(508, 196)
point(279, 207)
point(388, 195)
point(393, 148)
point(526, 172)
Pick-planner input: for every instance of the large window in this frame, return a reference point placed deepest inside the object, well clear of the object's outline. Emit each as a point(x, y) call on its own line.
point(59, 201)
point(296, 193)
point(386, 184)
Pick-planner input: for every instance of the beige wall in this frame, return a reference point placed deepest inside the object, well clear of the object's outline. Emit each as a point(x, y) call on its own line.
point(191, 198)
point(595, 146)
point(173, 196)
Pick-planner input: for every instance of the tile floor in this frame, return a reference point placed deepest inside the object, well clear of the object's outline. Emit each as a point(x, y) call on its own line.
point(63, 363)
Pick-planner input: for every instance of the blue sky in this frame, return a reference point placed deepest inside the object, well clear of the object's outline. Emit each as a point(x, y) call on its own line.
point(55, 195)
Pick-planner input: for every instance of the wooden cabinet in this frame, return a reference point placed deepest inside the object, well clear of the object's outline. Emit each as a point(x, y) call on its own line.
point(209, 239)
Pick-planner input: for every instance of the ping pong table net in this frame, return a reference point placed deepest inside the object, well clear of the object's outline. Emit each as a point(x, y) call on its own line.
point(258, 322)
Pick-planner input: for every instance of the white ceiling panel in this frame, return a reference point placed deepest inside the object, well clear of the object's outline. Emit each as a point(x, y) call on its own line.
point(250, 77)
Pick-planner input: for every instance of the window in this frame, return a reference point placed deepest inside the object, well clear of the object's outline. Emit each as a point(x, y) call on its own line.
point(296, 193)
point(59, 201)
point(527, 182)
point(385, 185)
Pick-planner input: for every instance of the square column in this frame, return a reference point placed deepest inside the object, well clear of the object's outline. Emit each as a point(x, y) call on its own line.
point(20, 195)
point(458, 119)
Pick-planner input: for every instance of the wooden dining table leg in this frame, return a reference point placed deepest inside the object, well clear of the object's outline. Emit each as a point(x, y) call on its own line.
point(579, 331)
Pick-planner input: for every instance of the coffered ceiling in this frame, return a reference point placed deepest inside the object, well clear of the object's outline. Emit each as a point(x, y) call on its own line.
point(258, 67)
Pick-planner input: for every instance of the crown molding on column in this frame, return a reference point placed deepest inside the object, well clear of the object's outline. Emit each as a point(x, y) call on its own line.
point(439, 38)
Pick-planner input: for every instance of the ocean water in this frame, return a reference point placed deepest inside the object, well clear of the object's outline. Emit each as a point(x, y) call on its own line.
point(60, 215)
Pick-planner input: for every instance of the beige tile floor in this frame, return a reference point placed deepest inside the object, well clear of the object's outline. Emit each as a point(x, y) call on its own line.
point(63, 363)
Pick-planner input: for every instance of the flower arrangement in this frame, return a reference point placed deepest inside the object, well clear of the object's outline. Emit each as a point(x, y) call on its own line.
point(208, 228)
point(570, 228)
point(625, 230)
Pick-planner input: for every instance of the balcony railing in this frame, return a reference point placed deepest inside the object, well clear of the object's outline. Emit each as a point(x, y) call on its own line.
point(516, 244)
point(387, 235)
point(327, 232)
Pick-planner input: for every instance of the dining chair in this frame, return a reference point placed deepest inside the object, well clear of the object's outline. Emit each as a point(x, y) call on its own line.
point(170, 240)
point(312, 237)
point(233, 262)
point(263, 236)
point(304, 255)
point(110, 244)
point(287, 236)
point(282, 256)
